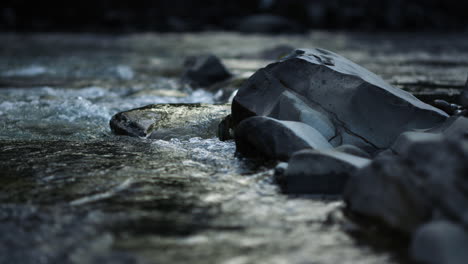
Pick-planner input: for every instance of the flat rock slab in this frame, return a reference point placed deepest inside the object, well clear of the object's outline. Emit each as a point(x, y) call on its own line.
point(166, 121)
point(345, 102)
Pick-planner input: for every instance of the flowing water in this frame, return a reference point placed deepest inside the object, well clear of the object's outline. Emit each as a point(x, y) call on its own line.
point(72, 192)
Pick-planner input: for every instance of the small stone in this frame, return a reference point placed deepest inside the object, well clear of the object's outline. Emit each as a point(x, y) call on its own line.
point(440, 242)
point(204, 70)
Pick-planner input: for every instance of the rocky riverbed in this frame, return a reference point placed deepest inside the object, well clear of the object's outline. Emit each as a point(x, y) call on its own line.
point(75, 192)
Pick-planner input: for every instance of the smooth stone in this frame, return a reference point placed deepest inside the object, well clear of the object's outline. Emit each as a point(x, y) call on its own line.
point(319, 172)
point(345, 102)
point(204, 70)
point(166, 121)
point(440, 242)
point(268, 138)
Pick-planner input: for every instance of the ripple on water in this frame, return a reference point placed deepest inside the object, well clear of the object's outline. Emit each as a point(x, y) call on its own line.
point(56, 113)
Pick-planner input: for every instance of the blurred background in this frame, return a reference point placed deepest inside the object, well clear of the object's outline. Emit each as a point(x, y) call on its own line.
point(269, 16)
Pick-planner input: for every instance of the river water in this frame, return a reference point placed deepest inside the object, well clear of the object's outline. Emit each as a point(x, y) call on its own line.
point(72, 192)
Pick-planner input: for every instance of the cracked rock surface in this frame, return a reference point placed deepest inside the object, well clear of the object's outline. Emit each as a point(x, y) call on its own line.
point(345, 102)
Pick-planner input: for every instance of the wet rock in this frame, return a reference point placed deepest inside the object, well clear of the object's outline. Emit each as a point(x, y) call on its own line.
point(440, 242)
point(165, 121)
point(204, 70)
point(319, 172)
point(266, 23)
point(346, 103)
point(264, 137)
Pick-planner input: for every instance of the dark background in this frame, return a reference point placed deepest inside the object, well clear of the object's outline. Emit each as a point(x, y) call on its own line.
point(197, 15)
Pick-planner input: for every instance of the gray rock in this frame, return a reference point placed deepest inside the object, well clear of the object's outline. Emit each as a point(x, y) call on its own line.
point(440, 242)
point(353, 150)
point(387, 192)
point(455, 126)
point(165, 121)
point(204, 70)
point(346, 103)
point(265, 23)
point(428, 174)
point(264, 137)
point(319, 172)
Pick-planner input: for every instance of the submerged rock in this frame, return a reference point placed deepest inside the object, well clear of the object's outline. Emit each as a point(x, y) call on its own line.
point(440, 242)
point(204, 70)
point(346, 103)
point(264, 137)
point(165, 121)
point(319, 172)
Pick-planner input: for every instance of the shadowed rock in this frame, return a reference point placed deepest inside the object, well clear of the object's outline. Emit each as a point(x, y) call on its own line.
point(319, 172)
point(165, 121)
point(264, 137)
point(204, 70)
point(346, 103)
point(427, 175)
point(440, 242)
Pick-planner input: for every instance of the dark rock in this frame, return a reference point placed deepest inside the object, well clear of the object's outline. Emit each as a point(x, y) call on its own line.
point(446, 106)
point(428, 174)
point(204, 70)
point(165, 121)
point(268, 24)
point(346, 103)
point(224, 131)
point(464, 95)
point(319, 172)
point(455, 126)
point(353, 150)
point(264, 137)
point(387, 191)
point(440, 242)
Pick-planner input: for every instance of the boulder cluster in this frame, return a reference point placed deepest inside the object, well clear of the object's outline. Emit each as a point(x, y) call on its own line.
point(339, 129)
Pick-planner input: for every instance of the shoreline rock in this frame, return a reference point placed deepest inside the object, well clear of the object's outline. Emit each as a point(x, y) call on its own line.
point(346, 103)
